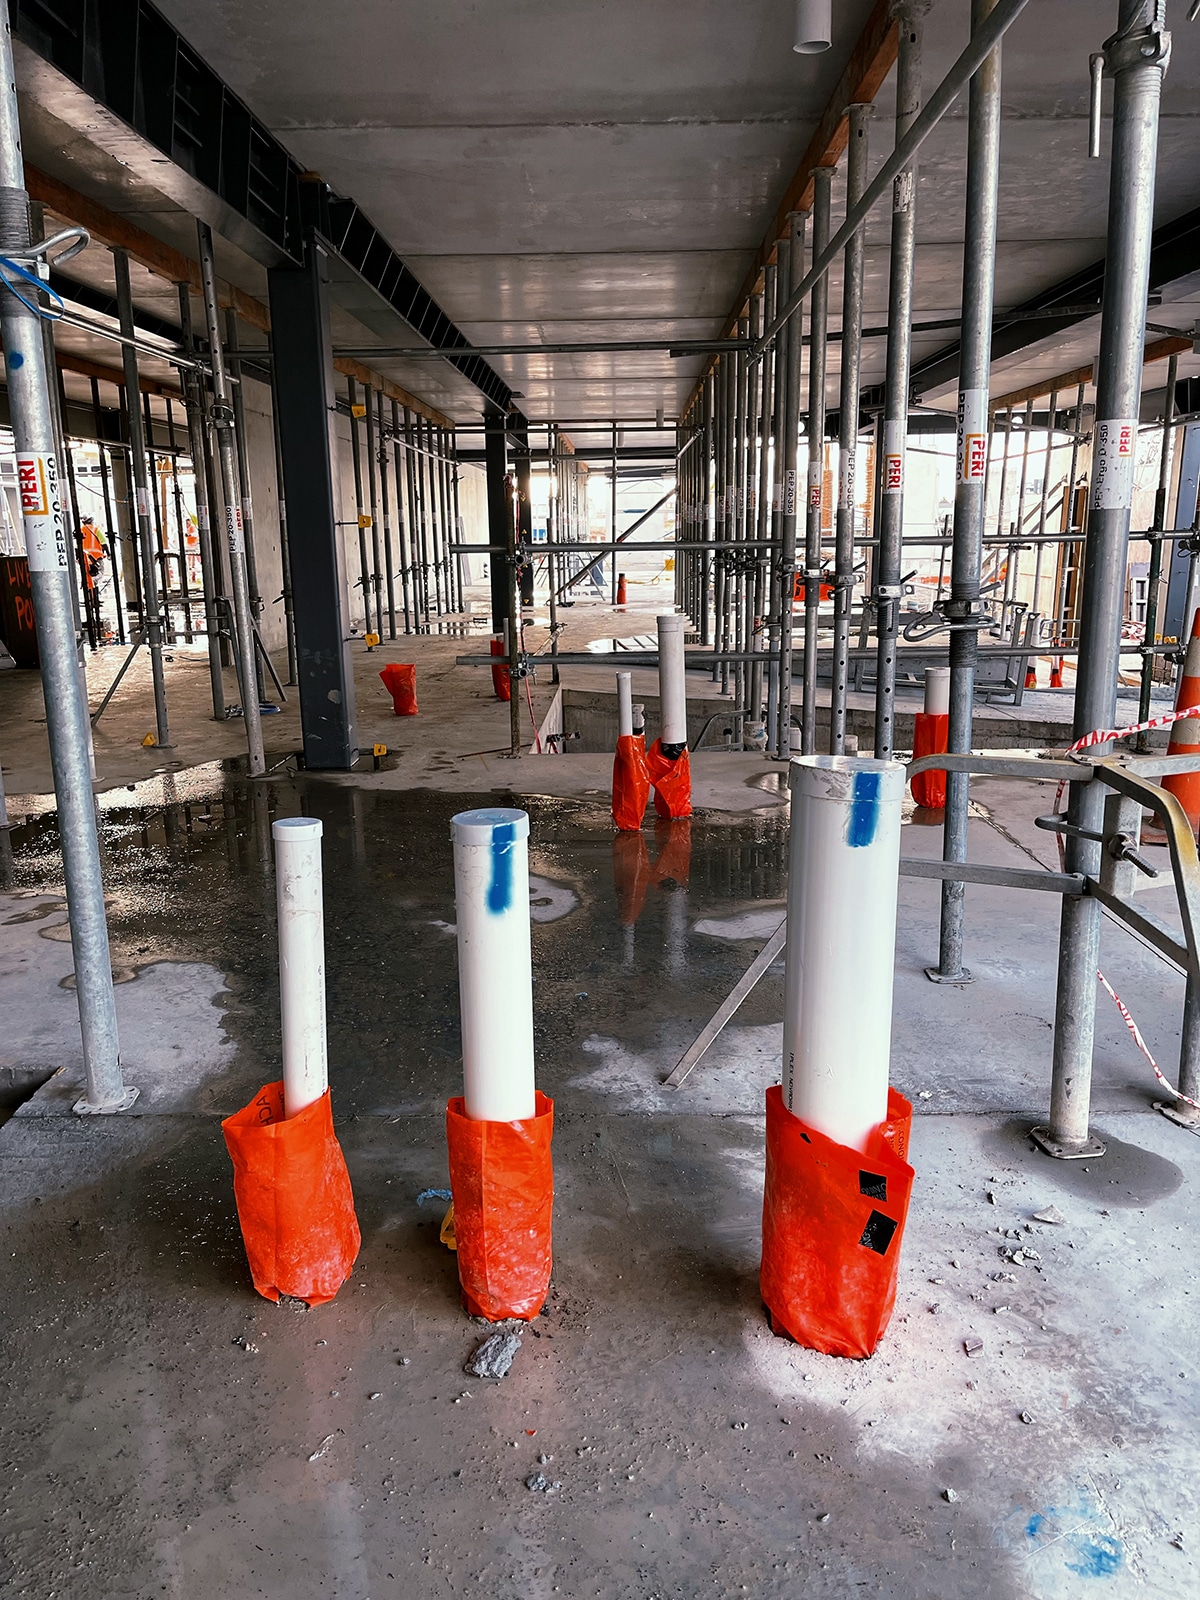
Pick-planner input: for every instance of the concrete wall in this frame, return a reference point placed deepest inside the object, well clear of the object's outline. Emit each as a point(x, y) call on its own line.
point(264, 490)
point(472, 508)
point(261, 450)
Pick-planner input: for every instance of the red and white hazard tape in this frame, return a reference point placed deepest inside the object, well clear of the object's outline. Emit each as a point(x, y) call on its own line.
point(1089, 740)
point(1139, 1041)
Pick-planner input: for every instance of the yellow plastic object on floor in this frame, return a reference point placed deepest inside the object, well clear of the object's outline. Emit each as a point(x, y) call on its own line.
point(149, 742)
point(447, 1235)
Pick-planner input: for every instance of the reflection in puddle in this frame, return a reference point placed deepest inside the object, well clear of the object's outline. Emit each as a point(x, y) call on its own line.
point(189, 877)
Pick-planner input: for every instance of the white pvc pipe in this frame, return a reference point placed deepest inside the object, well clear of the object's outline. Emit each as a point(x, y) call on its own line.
point(937, 691)
point(301, 960)
point(639, 717)
point(813, 26)
point(841, 942)
point(672, 686)
point(495, 978)
point(625, 704)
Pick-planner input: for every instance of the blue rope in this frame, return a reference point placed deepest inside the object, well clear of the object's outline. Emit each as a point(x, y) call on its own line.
point(50, 314)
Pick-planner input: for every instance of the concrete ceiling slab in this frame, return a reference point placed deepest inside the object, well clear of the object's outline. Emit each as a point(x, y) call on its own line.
point(586, 286)
point(608, 168)
point(301, 64)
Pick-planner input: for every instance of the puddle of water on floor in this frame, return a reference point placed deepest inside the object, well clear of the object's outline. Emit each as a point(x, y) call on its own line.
point(189, 878)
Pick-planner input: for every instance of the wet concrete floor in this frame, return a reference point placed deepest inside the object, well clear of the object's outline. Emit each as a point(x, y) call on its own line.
point(166, 1432)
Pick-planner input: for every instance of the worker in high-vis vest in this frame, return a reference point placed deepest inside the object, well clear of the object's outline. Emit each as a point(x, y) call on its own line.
point(94, 550)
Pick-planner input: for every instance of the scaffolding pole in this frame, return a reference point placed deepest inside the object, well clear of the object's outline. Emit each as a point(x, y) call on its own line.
point(48, 550)
point(222, 417)
point(962, 609)
point(1136, 59)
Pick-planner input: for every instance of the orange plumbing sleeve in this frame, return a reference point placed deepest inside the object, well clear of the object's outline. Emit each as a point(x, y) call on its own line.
point(400, 681)
point(833, 1219)
point(931, 735)
point(672, 781)
point(293, 1194)
point(630, 782)
point(502, 1180)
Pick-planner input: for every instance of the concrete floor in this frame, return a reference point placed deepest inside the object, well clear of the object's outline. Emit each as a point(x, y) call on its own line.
point(462, 736)
point(166, 1432)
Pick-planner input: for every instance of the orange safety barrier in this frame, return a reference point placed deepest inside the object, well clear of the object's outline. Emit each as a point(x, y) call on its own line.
point(931, 735)
point(1185, 734)
point(294, 1199)
point(501, 687)
point(400, 681)
point(502, 1180)
point(833, 1220)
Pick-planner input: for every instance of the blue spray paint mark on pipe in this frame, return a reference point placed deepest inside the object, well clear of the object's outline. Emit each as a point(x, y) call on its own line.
point(504, 838)
point(864, 809)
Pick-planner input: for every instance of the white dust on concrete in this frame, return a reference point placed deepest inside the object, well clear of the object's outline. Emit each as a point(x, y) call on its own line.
point(731, 1079)
point(749, 925)
point(168, 1014)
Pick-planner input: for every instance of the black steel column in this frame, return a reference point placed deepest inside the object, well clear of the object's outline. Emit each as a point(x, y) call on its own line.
point(522, 466)
point(496, 466)
point(303, 357)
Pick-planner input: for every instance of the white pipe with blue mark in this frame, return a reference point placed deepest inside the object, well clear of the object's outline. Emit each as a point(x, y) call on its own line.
point(843, 877)
point(495, 976)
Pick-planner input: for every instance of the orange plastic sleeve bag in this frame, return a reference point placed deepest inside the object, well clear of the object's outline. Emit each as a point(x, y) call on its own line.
point(630, 782)
point(293, 1196)
point(502, 1180)
point(400, 681)
point(501, 687)
point(931, 735)
point(833, 1220)
point(672, 781)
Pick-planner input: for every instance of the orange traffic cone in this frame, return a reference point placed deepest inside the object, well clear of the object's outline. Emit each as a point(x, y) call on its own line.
point(620, 588)
point(1030, 675)
point(1056, 672)
point(1185, 734)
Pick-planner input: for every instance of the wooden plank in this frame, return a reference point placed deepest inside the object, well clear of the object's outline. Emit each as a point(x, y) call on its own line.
point(393, 391)
point(109, 228)
point(95, 369)
point(1158, 350)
